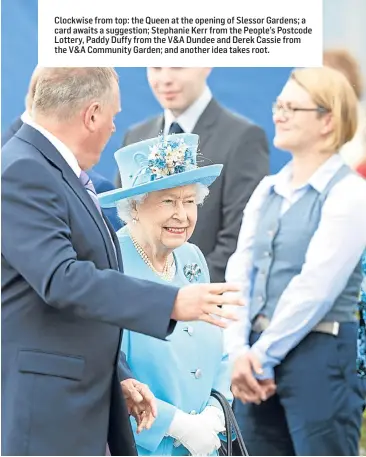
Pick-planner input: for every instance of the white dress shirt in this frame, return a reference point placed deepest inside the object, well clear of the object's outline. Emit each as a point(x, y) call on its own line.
point(333, 253)
point(189, 118)
point(58, 144)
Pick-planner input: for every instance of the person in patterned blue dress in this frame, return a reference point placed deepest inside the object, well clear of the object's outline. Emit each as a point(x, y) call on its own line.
point(361, 340)
point(162, 188)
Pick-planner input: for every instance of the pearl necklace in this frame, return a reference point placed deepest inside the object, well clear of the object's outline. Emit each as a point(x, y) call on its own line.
point(168, 271)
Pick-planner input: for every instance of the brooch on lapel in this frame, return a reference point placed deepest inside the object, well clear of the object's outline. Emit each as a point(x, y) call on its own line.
point(192, 272)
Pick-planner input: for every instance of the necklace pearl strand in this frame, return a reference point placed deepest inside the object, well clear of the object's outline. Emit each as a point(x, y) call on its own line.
point(169, 268)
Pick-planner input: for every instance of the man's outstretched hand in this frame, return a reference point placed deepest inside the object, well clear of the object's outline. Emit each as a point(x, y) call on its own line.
point(202, 302)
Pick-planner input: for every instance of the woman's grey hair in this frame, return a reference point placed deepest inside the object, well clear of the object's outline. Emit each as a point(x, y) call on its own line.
point(127, 205)
point(63, 92)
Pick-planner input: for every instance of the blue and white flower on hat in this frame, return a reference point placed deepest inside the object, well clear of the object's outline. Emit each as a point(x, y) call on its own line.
point(170, 156)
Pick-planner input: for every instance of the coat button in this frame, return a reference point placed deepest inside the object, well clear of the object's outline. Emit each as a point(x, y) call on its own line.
point(198, 373)
point(193, 412)
point(189, 330)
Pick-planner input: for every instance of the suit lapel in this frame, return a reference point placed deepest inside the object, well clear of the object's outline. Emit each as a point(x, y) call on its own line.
point(34, 137)
point(155, 127)
point(119, 265)
point(204, 128)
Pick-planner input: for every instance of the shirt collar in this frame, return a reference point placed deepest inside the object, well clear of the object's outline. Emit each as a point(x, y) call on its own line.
point(281, 182)
point(189, 118)
point(25, 117)
point(58, 144)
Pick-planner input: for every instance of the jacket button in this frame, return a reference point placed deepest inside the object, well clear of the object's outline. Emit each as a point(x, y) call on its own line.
point(189, 330)
point(198, 373)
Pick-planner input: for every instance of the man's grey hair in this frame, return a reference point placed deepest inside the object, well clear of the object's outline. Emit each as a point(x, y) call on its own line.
point(62, 92)
point(127, 205)
point(32, 89)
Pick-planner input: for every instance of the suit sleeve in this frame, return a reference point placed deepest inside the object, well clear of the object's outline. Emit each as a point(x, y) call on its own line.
point(247, 165)
point(36, 242)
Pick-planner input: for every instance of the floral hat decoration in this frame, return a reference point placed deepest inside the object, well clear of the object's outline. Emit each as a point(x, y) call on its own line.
point(160, 163)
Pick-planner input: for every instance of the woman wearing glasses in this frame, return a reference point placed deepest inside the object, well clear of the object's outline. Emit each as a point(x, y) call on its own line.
point(298, 259)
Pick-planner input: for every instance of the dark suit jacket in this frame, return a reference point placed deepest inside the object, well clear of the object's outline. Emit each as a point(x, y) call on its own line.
point(243, 149)
point(64, 303)
point(100, 183)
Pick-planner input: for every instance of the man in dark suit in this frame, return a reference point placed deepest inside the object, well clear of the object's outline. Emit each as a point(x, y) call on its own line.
point(64, 296)
point(101, 184)
point(224, 138)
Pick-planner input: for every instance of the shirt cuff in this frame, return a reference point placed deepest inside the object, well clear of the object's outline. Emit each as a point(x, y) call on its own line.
point(267, 366)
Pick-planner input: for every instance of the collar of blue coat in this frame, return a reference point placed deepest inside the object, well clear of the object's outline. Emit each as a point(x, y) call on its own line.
point(159, 163)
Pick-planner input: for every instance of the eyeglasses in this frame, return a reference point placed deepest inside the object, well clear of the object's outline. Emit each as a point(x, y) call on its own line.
point(288, 112)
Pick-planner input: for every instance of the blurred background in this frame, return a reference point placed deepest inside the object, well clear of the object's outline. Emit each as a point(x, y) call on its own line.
point(248, 91)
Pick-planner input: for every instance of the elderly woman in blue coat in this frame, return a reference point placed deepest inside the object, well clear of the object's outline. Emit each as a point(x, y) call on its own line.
point(162, 187)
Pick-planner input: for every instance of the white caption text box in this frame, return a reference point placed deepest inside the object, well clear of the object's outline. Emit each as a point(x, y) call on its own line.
point(264, 33)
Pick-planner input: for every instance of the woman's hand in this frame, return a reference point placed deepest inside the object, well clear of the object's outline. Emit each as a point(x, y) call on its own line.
point(141, 403)
point(196, 433)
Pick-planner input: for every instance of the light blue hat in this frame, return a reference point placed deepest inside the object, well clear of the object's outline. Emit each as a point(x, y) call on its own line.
point(159, 163)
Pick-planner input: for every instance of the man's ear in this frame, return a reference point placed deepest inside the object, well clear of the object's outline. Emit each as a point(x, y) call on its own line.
point(91, 116)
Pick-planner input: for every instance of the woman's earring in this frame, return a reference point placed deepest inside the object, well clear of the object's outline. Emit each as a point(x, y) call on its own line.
point(134, 220)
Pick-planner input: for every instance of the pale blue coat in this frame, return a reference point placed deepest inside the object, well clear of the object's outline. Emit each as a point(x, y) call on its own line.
point(181, 371)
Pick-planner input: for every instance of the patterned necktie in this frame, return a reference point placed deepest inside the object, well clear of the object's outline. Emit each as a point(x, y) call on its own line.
point(175, 128)
point(87, 183)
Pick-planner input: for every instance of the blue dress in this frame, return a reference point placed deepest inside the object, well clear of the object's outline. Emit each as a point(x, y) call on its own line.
point(181, 371)
point(361, 340)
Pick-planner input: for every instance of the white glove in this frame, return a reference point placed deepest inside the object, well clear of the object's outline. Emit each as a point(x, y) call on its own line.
point(215, 417)
point(198, 433)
